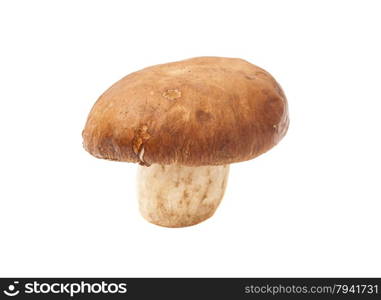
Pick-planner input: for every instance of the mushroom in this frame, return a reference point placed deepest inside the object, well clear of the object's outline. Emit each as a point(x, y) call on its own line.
point(185, 122)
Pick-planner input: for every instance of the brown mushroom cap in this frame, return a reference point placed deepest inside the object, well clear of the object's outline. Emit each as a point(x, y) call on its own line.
point(199, 111)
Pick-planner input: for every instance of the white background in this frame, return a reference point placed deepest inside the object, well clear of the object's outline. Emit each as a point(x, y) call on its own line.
point(309, 207)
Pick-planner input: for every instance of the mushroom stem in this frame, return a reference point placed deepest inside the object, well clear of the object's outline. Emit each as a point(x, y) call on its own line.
point(179, 196)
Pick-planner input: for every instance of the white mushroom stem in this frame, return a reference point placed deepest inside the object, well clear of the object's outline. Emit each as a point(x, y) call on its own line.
point(179, 196)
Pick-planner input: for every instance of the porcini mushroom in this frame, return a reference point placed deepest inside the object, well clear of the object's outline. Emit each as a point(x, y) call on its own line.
point(184, 123)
